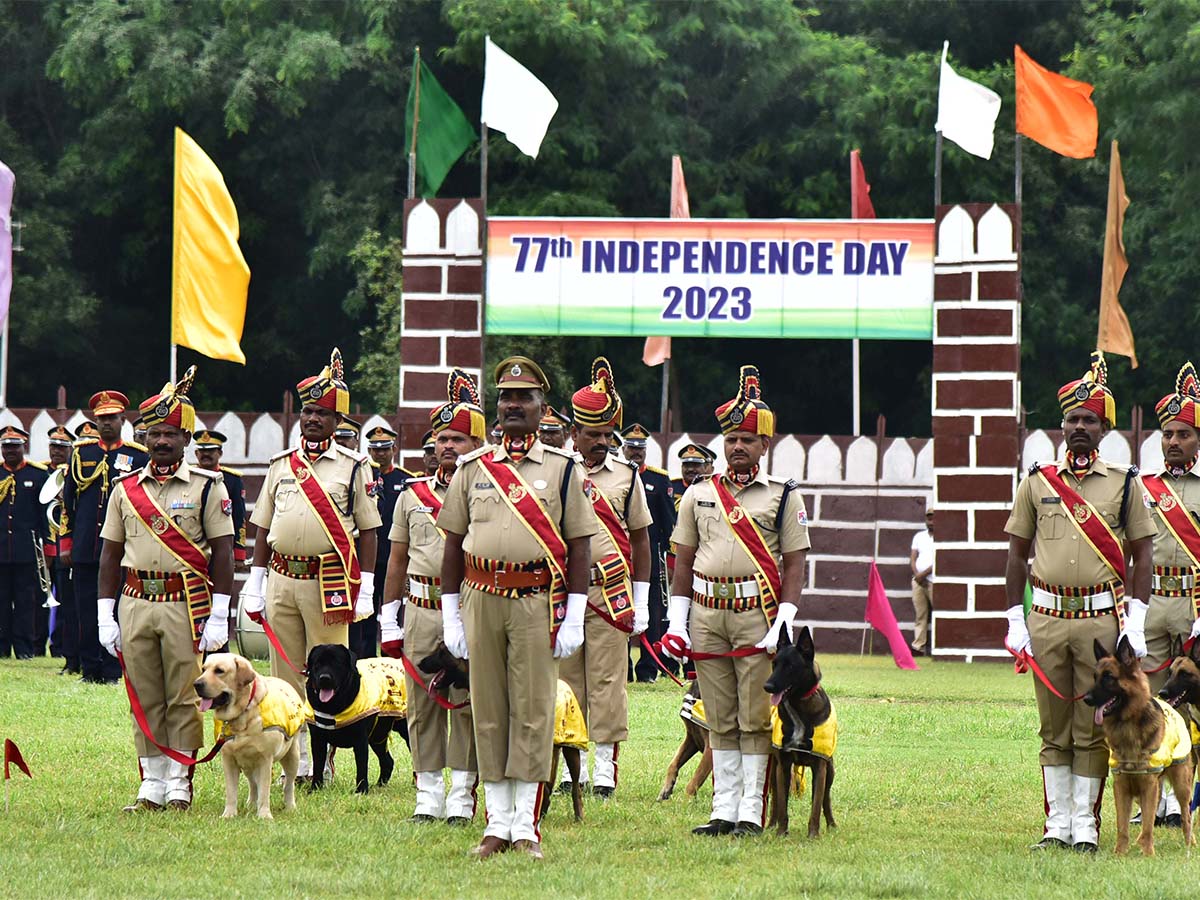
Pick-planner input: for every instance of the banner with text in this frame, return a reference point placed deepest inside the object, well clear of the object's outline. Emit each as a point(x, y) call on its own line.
point(711, 277)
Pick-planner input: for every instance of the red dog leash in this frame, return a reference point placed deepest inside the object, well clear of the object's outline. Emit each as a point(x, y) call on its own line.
point(139, 716)
point(437, 698)
point(674, 645)
point(260, 619)
point(649, 647)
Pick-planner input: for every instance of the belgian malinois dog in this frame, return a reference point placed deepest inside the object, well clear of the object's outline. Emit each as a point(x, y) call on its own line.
point(795, 688)
point(1135, 727)
point(695, 740)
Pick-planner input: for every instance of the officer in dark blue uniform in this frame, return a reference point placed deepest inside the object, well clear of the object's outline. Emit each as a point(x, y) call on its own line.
point(22, 529)
point(659, 495)
point(64, 639)
point(95, 463)
point(210, 447)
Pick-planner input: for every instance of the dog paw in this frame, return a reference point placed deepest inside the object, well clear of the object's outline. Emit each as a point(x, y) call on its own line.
point(265, 814)
point(229, 814)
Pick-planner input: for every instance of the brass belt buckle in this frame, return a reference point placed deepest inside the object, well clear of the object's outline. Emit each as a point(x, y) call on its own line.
point(297, 566)
point(435, 592)
point(724, 590)
point(1072, 604)
point(1171, 582)
point(154, 585)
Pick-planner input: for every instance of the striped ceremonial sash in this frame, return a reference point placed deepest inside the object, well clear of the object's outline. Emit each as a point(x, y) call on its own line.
point(751, 540)
point(336, 604)
point(616, 597)
point(1089, 522)
point(179, 545)
point(430, 499)
point(1174, 515)
point(521, 499)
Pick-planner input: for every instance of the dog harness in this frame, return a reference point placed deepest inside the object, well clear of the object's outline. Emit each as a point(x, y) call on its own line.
point(822, 742)
point(1176, 746)
point(380, 693)
point(693, 711)
point(570, 730)
point(279, 710)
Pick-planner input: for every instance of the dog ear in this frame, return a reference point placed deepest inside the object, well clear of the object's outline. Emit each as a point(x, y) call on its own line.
point(245, 674)
point(1194, 651)
point(353, 657)
point(804, 643)
point(785, 639)
point(1176, 648)
point(1100, 651)
point(1125, 655)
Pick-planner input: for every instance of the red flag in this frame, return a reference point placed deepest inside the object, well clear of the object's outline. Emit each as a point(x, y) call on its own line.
point(658, 349)
point(860, 191)
point(883, 620)
point(13, 755)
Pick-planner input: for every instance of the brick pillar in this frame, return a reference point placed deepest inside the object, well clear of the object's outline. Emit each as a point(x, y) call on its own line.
point(442, 314)
point(976, 402)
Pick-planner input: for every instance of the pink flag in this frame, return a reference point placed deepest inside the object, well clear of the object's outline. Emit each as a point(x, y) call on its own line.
point(658, 349)
point(860, 192)
point(883, 620)
point(7, 181)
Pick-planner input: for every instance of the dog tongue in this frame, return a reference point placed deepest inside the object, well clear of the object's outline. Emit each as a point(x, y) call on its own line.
point(1099, 717)
point(205, 704)
point(326, 694)
point(775, 698)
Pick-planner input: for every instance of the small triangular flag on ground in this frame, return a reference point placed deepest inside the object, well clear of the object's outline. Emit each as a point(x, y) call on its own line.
point(12, 756)
point(883, 620)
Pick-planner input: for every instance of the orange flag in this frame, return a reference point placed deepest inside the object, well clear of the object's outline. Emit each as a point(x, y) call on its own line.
point(1054, 110)
point(860, 192)
point(1114, 333)
point(658, 349)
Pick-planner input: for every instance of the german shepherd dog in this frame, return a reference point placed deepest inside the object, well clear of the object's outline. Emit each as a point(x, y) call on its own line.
point(333, 685)
point(795, 689)
point(695, 740)
point(447, 671)
point(1183, 686)
point(1135, 727)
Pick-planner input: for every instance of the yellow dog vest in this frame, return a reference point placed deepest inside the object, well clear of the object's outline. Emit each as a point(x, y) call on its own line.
point(693, 711)
point(279, 710)
point(380, 693)
point(1175, 747)
point(824, 737)
point(569, 728)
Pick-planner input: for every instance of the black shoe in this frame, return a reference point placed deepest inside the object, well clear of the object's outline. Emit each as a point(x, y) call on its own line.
point(916, 652)
point(648, 679)
point(421, 819)
point(564, 788)
point(603, 791)
point(1136, 818)
point(1174, 820)
point(1084, 847)
point(458, 821)
point(747, 829)
point(714, 828)
point(1050, 843)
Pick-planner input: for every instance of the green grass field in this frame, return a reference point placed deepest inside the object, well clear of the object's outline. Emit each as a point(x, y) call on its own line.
point(937, 795)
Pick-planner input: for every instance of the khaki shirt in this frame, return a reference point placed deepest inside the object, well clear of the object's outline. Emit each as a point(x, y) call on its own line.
point(1063, 557)
point(702, 525)
point(1167, 550)
point(413, 524)
point(293, 527)
point(179, 497)
point(618, 480)
point(474, 507)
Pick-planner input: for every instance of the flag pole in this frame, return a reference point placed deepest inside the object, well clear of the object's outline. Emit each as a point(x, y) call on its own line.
point(666, 380)
point(1017, 169)
point(856, 386)
point(412, 149)
point(4, 373)
point(937, 173)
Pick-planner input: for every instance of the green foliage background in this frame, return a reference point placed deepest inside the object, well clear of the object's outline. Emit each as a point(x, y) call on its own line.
point(301, 105)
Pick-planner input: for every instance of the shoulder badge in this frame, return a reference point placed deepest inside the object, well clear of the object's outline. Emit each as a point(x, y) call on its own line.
point(236, 473)
point(1033, 470)
point(478, 452)
point(1133, 470)
point(282, 454)
point(136, 446)
point(83, 442)
point(353, 454)
point(125, 475)
point(206, 473)
point(566, 454)
point(37, 465)
point(657, 471)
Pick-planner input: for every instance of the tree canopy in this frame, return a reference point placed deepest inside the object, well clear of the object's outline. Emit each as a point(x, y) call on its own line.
point(301, 105)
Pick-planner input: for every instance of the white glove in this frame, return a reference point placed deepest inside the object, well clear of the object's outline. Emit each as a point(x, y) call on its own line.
point(254, 593)
point(1018, 631)
point(110, 631)
point(570, 633)
point(216, 629)
point(641, 606)
point(364, 606)
point(1196, 628)
point(391, 633)
point(677, 623)
point(1135, 626)
point(784, 617)
point(453, 634)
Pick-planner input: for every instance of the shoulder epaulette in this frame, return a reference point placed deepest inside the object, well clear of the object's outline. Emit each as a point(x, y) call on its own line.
point(136, 446)
point(37, 465)
point(1033, 470)
point(478, 452)
point(83, 442)
point(420, 478)
point(206, 473)
point(281, 454)
point(374, 465)
point(409, 476)
point(236, 473)
point(568, 454)
point(657, 471)
point(1134, 470)
point(353, 454)
point(127, 475)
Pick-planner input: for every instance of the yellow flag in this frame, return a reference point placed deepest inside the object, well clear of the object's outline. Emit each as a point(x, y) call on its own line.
point(1114, 334)
point(209, 276)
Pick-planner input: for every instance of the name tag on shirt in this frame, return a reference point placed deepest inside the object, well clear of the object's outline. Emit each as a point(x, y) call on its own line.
point(482, 485)
point(425, 509)
point(287, 480)
point(27, 483)
point(707, 504)
point(1054, 499)
point(648, 487)
point(398, 487)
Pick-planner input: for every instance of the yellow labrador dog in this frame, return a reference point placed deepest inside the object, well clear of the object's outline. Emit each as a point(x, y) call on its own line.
point(258, 717)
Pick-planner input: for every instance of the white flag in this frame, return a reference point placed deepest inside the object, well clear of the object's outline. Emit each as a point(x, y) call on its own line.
point(514, 101)
point(967, 111)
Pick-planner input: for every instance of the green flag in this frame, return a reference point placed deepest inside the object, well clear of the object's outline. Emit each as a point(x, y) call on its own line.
point(442, 131)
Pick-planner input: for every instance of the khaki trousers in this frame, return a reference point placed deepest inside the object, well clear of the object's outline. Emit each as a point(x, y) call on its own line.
point(1168, 617)
point(736, 706)
point(162, 666)
point(596, 673)
point(922, 597)
point(294, 611)
point(1064, 649)
point(514, 680)
point(439, 738)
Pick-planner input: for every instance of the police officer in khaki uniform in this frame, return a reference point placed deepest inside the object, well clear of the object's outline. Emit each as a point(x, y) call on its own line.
point(312, 593)
point(513, 624)
point(438, 738)
point(168, 618)
point(552, 430)
point(596, 672)
point(1075, 597)
point(733, 603)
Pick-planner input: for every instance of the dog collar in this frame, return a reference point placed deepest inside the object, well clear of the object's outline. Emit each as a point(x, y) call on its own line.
point(812, 690)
